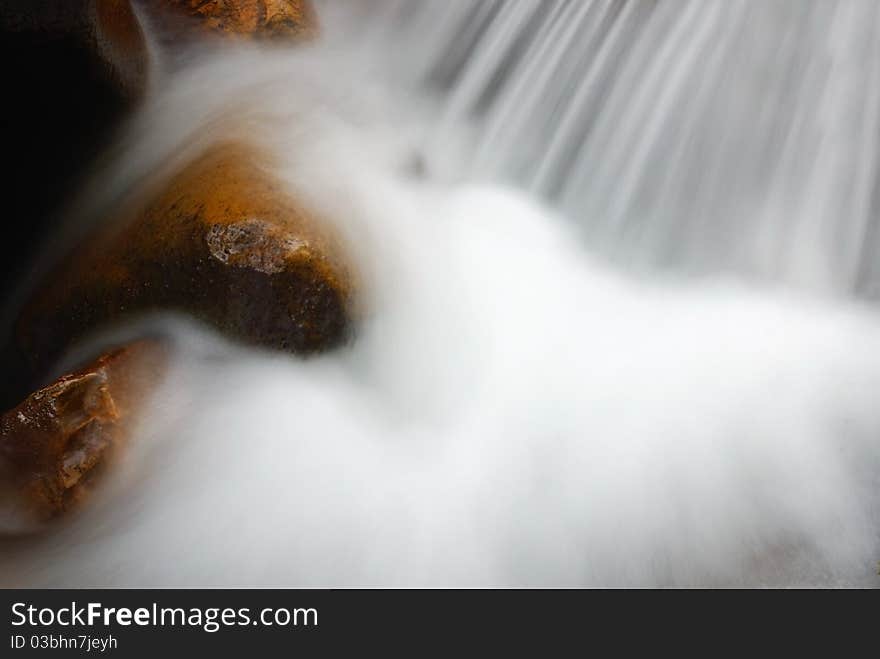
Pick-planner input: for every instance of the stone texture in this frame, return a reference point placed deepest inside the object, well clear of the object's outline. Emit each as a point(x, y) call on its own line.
point(262, 19)
point(221, 240)
point(55, 445)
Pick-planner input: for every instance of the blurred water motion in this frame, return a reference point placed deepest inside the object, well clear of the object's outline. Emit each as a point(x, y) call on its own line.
point(513, 411)
point(711, 134)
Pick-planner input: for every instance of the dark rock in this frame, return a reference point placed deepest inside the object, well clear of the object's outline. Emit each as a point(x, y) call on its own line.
point(220, 240)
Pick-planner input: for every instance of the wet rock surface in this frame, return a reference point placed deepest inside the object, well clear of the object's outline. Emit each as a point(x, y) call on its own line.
point(221, 240)
point(259, 19)
point(57, 443)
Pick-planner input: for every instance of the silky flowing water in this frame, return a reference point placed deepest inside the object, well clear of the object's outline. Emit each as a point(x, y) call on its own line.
point(615, 262)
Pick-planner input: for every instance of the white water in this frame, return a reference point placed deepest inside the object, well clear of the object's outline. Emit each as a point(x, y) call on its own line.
point(513, 412)
point(717, 135)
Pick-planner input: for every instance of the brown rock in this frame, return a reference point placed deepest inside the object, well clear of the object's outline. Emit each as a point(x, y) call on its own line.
point(223, 241)
point(263, 19)
point(55, 445)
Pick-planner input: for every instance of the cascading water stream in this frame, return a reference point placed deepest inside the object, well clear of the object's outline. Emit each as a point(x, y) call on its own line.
point(720, 135)
point(513, 410)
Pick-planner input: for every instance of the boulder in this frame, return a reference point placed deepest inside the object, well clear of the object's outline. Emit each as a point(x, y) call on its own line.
point(258, 19)
point(57, 443)
point(220, 239)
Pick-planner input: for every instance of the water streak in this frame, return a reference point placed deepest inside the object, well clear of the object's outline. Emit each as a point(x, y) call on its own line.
point(704, 135)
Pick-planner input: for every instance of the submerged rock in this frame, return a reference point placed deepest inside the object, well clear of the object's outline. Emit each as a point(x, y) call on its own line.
point(55, 445)
point(261, 19)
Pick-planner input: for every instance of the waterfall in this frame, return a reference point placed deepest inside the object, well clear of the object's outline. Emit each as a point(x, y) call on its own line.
point(706, 135)
point(608, 263)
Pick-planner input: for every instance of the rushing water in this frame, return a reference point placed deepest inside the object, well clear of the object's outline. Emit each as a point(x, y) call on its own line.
point(720, 134)
point(516, 410)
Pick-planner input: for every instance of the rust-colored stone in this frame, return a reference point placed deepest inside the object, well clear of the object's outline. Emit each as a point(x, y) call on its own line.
point(55, 444)
point(262, 19)
point(221, 240)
